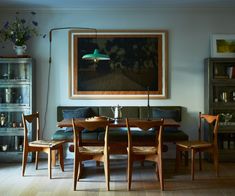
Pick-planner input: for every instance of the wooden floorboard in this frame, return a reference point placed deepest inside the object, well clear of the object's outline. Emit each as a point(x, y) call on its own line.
point(144, 183)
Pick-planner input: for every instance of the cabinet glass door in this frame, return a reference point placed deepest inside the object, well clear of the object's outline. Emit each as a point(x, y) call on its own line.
point(14, 71)
point(14, 95)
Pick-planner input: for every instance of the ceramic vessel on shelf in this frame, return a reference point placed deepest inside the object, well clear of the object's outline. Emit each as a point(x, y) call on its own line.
point(3, 119)
point(4, 147)
point(20, 50)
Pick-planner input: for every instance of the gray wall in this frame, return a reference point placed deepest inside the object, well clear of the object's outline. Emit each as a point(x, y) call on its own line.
point(189, 43)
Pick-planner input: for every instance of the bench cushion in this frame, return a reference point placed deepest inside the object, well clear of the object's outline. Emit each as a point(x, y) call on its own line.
point(68, 135)
point(170, 134)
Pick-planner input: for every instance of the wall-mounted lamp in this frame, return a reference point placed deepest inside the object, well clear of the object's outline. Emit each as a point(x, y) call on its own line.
point(96, 56)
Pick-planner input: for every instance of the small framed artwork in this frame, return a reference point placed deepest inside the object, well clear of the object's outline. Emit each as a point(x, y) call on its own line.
point(138, 62)
point(223, 45)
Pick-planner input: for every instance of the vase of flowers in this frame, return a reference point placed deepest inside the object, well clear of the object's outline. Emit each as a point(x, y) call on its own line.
point(20, 50)
point(19, 31)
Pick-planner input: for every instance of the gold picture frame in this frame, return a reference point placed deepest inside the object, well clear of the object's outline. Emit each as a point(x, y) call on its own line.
point(139, 61)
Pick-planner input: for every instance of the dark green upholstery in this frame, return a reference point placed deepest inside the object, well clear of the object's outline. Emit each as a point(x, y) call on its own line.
point(68, 135)
point(120, 134)
point(130, 111)
point(174, 136)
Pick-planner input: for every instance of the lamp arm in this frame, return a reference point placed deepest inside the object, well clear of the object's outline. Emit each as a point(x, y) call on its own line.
point(49, 69)
point(65, 28)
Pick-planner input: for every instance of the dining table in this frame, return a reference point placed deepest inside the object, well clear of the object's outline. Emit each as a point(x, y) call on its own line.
point(114, 123)
point(168, 122)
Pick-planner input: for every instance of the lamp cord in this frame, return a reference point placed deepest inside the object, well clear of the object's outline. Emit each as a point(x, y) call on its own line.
point(49, 68)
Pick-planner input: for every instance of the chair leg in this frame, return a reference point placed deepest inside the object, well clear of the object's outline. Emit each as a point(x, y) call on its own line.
point(157, 171)
point(75, 172)
point(24, 161)
point(97, 163)
point(36, 159)
point(161, 176)
point(200, 161)
point(142, 163)
point(61, 157)
point(186, 158)
point(53, 158)
point(216, 163)
point(177, 161)
point(192, 163)
point(129, 171)
point(49, 163)
point(79, 170)
point(107, 172)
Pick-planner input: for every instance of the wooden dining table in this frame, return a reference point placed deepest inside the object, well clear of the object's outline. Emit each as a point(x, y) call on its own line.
point(117, 123)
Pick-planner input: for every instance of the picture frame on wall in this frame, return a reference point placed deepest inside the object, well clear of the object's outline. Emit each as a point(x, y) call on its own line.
point(223, 45)
point(138, 62)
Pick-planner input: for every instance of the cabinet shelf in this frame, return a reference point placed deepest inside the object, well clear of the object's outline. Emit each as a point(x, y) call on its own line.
point(224, 82)
point(221, 105)
point(14, 105)
point(12, 151)
point(11, 131)
point(13, 81)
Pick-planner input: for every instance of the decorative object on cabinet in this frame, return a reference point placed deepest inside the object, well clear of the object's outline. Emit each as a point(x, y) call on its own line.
point(138, 59)
point(20, 50)
point(16, 90)
point(19, 31)
point(219, 99)
point(223, 45)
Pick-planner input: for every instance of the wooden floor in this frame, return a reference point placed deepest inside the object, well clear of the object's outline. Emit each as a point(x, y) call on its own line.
point(144, 180)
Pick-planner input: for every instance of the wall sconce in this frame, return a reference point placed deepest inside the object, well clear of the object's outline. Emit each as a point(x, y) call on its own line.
point(95, 56)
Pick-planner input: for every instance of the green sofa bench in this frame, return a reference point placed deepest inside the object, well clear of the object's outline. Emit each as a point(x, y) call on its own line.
point(118, 136)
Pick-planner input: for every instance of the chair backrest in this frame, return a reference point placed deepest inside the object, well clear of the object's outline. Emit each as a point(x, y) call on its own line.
point(213, 121)
point(30, 119)
point(91, 125)
point(146, 125)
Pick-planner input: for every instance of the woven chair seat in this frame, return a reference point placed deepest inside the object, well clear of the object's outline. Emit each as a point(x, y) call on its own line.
point(45, 143)
point(144, 150)
point(194, 144)
point(91, 149)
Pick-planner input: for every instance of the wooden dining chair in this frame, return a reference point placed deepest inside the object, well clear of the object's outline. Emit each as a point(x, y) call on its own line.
point(201, 145)
point(97, 153)
point(37, 146)
point(150, 153)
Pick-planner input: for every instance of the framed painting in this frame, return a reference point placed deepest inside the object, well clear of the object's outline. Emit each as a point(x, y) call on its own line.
point(138, 62)
point(223, 45)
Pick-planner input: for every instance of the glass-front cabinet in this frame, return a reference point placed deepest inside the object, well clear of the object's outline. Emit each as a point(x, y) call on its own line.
point(16, 90)
point(220, 99)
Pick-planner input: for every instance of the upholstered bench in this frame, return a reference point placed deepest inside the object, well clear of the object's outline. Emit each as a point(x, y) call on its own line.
point(118, 136)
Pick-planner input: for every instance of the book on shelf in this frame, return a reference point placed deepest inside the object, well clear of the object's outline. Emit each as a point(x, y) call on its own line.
point(221, 77)
point(233, 72)
point(230, 72)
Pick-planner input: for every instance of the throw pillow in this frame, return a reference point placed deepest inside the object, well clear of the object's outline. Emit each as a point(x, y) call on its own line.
point(161, 113)
point(77, 113)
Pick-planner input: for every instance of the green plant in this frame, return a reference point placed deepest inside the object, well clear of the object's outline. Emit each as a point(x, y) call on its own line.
point(19, 31)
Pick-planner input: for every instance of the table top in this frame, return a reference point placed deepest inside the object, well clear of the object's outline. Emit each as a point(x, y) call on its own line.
point(117, 123)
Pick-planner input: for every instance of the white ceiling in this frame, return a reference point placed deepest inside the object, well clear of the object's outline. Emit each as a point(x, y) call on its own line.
point(114, 4)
